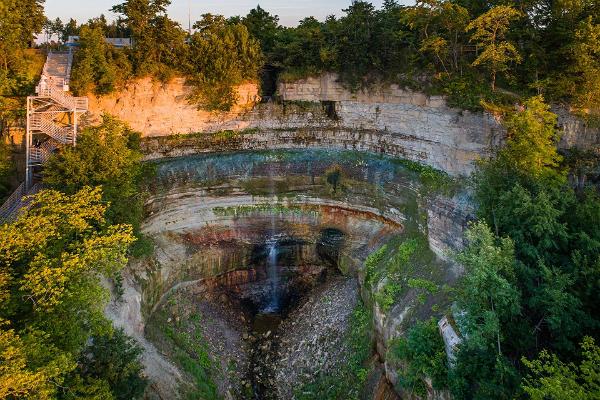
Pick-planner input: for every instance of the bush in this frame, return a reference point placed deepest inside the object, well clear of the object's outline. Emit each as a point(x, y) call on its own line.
point(423, 352)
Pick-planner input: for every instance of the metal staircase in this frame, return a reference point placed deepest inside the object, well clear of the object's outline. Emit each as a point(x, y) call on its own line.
point(52, 122)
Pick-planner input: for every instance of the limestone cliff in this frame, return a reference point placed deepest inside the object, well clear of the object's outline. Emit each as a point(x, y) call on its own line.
point(319, 113)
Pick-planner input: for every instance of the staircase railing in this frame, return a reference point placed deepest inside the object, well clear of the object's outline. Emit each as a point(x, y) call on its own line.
point(18, 200)
point(9, 209)
point(40, 122)
point(64, 99)
point(41, 154)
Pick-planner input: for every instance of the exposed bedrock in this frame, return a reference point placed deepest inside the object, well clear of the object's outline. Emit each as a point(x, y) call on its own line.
point(220, 223)
point(320, 112)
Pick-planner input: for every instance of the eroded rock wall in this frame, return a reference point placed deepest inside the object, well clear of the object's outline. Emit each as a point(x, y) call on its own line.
point(317, 113)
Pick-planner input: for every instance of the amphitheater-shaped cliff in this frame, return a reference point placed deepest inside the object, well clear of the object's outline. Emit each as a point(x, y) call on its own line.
point(263, 220)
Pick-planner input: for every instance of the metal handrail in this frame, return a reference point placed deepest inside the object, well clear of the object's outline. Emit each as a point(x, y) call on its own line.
point(12, 204)
point(63, 134)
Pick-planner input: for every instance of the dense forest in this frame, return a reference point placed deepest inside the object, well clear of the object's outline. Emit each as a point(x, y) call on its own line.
point(527, 305)
point(479, 54)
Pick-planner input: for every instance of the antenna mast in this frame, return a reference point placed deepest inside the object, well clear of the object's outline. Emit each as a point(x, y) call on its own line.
point(190, 17)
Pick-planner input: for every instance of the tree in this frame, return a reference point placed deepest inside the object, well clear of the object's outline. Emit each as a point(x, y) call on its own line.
point(532, 139)
point(441, 25)
point(93, 69)
point(157, 41)
point(51, 299)
point(585, 87)
point(422, 351)
point(550, 378)
point(488, 294)
point(489, 32)
point(355, 43)
point(114, 358)
point(30, 367)
point(221, 56)
point(262, 26)
point(106, 155)
point(488, 301)
point(69, 29)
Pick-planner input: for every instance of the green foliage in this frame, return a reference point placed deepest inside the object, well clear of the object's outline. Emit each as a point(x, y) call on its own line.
point(372, 263)
point(488, 300)
point(6, 169)
point(106, 155)
point(550, 378)
point(532, 138)
point(490, 30)
point(158, 42)
point(347, 380)
point(555, 233)
point(98, 67)
point(387, 294)
point(52, 259)
point(20, 21)
point(433, 180)
point(262, 26)
point(222, 55)
point(114, 358)
point(422, 350)
point(192, 355)
point(488, 294)
point(396, 273)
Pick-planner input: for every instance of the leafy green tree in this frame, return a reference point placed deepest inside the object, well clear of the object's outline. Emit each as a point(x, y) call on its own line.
point(158, 42)
point(550, 378)
point(262, 26)
point(221, 56)
point(441, 25)
point(95, 69)
point(489, 32)
point(30, 367)
point(51, 261)
point(488, 294)
point(106, 155)
point(488, 301)
point(532, 138)
point(114, 358)
point(422, 351)
point(69, 29)
point(355, 37)
point(586, 69)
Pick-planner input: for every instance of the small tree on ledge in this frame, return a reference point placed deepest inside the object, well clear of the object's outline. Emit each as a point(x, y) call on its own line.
point(490, 29)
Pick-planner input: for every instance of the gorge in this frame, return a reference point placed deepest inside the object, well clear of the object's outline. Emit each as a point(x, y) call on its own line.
point(246, 239)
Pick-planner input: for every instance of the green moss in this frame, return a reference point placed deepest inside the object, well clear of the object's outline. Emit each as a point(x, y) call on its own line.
point(405, 263)
point(431, 179)
point(245, 210)
point(182, 340)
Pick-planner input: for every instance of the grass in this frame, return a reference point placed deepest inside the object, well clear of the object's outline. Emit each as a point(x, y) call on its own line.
point(405, 263)
point(184, 341)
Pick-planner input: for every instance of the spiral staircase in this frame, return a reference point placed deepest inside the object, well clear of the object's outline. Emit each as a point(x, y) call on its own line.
point(52, 122)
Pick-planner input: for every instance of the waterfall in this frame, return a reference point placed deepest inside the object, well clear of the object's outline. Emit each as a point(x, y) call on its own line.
point(273, 275)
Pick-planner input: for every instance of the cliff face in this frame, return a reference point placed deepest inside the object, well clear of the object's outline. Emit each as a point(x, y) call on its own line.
point(319, 113)
point(158, 109)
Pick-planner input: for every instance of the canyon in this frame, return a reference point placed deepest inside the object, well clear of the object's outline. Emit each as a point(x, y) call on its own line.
point(263, 218)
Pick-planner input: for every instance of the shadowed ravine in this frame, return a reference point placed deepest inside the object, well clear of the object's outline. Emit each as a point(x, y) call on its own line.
point(267, 250)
